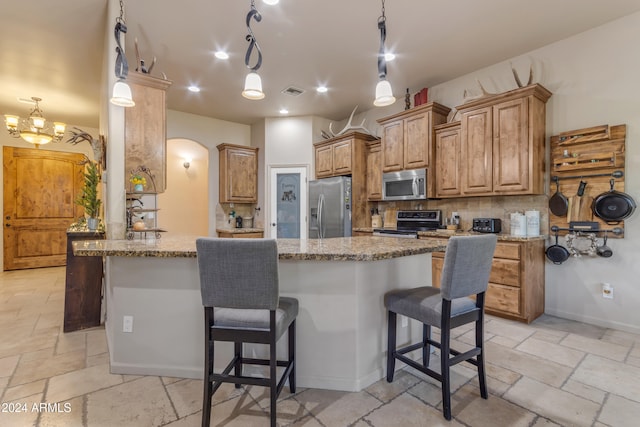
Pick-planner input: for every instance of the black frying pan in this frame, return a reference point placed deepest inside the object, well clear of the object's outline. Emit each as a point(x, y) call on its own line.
point(557, 253)
point(613, 206)
point(558, 203)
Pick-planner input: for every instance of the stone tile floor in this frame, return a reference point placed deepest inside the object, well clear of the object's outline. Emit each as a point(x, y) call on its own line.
point(552, 372)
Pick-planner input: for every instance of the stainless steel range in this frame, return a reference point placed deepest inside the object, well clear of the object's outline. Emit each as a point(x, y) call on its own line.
point(408, 223)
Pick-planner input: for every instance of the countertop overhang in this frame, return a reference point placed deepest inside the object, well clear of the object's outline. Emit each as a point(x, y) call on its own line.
point(363, 248)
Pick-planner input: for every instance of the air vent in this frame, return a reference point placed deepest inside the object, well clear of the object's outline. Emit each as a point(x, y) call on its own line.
point(293, 91)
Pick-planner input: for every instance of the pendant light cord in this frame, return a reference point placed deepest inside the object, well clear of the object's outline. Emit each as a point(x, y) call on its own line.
point(253, 43)
point(122, 67)
point(382, 61)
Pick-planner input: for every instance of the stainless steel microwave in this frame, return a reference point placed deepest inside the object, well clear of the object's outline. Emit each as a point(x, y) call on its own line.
point(405, 185)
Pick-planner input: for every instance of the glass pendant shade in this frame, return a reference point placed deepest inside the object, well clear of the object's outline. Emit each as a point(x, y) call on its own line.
point(253, 86)
point(384, 94)
point(122, 95)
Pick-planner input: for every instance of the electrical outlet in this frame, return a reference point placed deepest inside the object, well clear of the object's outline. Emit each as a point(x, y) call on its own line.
point(405, 321)
point(607, 291)
point(127, 324)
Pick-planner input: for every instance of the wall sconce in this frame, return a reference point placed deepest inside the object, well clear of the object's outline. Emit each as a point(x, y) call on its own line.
point(187, 162)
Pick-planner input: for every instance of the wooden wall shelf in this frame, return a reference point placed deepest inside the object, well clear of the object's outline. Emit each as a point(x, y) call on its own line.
point(591, 155)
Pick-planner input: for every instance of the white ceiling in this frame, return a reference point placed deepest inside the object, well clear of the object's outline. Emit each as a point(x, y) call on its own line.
point(56, 52)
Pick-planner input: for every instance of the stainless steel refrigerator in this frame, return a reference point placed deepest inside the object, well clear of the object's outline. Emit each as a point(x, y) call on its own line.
point(330, 207)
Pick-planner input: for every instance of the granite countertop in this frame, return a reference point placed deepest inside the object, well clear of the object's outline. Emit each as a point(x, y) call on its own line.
point(501, 236)
point(336, 249)
point(239, 230)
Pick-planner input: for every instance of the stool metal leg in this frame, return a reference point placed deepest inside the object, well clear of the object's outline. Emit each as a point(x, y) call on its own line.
point(238, 364)
point(292, 356)
point(208, 371)
point(391, 345)
point(426, 347)
point(445, 338)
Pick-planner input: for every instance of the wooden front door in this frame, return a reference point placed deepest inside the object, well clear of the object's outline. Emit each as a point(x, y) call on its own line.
point(40, 187)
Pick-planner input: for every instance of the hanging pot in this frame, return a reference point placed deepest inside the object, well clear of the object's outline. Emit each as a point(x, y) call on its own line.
point(613, 206)
point(557, 253)
point(604, 250)
point(558, 203)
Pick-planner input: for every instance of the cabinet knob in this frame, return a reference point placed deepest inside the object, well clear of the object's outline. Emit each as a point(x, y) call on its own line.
point(8, 225)
point(273, 224)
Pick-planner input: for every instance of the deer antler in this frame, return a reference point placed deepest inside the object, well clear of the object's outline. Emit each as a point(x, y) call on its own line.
point(515, 76)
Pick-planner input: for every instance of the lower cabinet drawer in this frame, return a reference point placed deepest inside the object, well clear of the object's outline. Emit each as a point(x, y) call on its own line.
point(503, 298)
point(505, 272)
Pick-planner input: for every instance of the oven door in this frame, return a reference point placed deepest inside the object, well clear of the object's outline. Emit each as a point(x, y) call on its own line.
point(396, 233)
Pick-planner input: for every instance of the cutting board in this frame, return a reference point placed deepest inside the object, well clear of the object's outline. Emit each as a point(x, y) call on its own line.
point(390, 218)
point(580, 208)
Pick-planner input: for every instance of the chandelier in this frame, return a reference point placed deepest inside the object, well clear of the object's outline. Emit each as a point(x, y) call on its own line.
point(253, 83)
point(384, 94)
point(36, 129)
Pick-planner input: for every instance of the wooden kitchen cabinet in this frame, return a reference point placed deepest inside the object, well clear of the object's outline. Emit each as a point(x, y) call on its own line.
point(448, 172)
point(334, 157)
point(374, 171)
point(516, 282)
point(238, 173)
point(502, 143)
point(145, 132)
point(83, 285)
point(407, 139)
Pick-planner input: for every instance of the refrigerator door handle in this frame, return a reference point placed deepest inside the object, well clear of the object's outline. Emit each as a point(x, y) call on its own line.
point(320, 207)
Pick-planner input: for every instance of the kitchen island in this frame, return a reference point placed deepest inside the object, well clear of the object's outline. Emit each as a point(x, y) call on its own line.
point(339, 282)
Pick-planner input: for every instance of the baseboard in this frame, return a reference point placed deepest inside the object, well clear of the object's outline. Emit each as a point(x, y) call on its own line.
point(580, 317)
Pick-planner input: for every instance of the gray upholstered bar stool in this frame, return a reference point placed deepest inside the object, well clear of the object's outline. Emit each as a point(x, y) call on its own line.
point(240, 295)
point(467, 264)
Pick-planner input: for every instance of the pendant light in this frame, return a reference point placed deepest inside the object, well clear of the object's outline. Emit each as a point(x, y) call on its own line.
point(384, 94)
point(121, 90)
point(253, 83)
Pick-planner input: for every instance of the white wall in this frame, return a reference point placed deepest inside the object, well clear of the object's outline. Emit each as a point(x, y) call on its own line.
point(185, 202)
point(594, 80)
point(209, 133)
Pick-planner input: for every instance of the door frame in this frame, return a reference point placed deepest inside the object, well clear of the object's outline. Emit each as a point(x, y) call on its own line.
point(273, 170)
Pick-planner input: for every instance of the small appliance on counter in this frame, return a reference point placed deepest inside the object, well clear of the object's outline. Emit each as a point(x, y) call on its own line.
point(487, 225)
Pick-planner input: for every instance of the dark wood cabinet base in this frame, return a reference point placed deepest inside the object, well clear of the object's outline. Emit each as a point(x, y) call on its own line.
point(83, 289)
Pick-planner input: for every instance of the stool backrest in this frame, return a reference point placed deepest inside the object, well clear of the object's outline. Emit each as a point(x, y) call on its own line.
point(238, 273)
point(467, 264)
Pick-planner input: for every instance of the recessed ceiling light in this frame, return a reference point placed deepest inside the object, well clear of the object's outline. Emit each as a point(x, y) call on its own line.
point(389, 56)
point(284, 111)
point(221, 54)
point(194, 89)
point(271, 2)
point(321, 89)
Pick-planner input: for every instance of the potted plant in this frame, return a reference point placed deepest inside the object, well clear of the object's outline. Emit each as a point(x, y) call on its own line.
point(138, 181)
point(88, 198)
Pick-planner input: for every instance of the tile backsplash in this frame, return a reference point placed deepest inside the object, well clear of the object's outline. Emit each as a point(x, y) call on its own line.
point(500, 207)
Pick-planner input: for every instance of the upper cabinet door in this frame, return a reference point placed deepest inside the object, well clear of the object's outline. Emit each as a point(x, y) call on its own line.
point(393, 146)
point(416, 141)
point(511, 146)
point(342, 157)
point(477, 157)
point(238, 174)
point(447, 161)
point(324, 161)
point(145, 136)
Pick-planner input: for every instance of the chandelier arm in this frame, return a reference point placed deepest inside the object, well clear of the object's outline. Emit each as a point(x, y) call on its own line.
point(122, 67)
point(253, 43)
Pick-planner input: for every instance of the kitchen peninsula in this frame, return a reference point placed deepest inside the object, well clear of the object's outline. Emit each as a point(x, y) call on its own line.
point(340, 283)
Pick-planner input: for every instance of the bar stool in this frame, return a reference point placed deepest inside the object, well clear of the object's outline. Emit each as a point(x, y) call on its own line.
point(467, 264)
point(239, 286)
